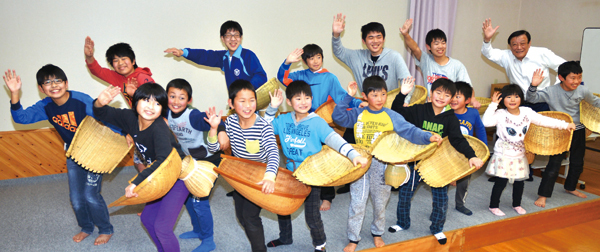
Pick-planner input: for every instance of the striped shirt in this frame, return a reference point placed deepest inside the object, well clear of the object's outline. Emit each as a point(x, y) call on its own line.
point(256, 143)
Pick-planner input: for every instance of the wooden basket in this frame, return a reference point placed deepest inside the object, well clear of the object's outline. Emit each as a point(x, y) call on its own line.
point(589, 116)
point(485, 103)
point(243, 175)
point(96, 147)
point(325, 110)
point(418, 96)
point(447, 165)
point(262, 93)
point(330, 168)
point(548, 141)
point(396, 175)
point(199, 176)
point(157, 184)
point(391, 148)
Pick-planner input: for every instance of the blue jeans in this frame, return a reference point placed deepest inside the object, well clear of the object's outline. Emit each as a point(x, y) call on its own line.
point(88, 204)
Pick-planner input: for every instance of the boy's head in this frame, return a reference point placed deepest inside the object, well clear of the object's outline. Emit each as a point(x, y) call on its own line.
point(570, 74)
point(231, 35)
point(436, 42)
point(179, 92)
point(312, 56)
point(462, 96)
point(375, 91)
point(150, 101)
point(519, 43)
point(373, 36)
point(122, 58)
point(299, 96)
point(511, 96)
point(242, 98)
point(52, 81)
point(442, 91)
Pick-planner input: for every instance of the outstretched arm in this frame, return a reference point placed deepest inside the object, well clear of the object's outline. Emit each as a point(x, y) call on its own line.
point(409, 41)
point(88, 50)
point(339, 23)
point(488, 30)
point(174, 51)
point(13, 82)
point(106, 96)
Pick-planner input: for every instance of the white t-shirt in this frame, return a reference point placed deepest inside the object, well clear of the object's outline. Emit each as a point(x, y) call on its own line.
point(453, 70)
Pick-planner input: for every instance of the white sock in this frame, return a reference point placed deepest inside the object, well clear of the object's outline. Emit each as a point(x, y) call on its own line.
point(320, 247)
point(394, 229)
point(441, 237)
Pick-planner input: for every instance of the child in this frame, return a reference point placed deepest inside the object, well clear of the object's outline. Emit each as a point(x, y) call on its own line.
point(191, 130)
point(65, 110)
point(435, 65)
point(565, 98)
point(370, 122)
point(509, 163)
point(432, 116)
point(470, 122)
point(312, 131)
point(154, 141)
point(252, 138)
point(236, 62)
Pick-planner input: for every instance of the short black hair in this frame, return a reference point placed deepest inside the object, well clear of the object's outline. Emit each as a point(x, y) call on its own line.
point(519, 33)
point(151, 90)
point(464, 88)
point(231, 25)
point(311, 50)
point(373, 83)
point(181, 84)
point(511, 89)
point(372, 27)
point(239, 85)
point(446, 85)
point(433, 35)
point(297, 87)
point(569, 67)
point(120, 50)
point(48, 71)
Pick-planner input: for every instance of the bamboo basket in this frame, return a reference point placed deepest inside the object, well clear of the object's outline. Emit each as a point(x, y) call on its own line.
point(325, 110)
point(96, 147)
point(199, 176)
point(418, 96)
point(330, 168)
point(391, 148)
point(447, 165)
point(262, 93)
point(157, 184)
point(548, 141)
point(530, 157)
point(485, 103)
point(396, 175)
point(243, 175)
point(589, 116)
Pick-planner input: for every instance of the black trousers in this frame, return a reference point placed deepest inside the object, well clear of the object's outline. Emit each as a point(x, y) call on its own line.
point(248, 214)
point(575, 166)
point(499, 186)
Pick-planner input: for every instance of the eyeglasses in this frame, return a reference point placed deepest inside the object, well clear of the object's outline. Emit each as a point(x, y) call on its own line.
point(232, 36)
point(55, 81)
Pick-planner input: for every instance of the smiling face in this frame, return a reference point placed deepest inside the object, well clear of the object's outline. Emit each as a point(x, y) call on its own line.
point(437, 48)
point(440, 98)
point(571, 82)
point(56, 89)
point(512, 103)
point(301, 103)
point(178, 99)
point(374, 42)
point(148, 109)
point(376, 99)
point(232, 40)
point(459, 103)
point(123, 65)
point(244, 104)
point(315, 62)
point(519, 46)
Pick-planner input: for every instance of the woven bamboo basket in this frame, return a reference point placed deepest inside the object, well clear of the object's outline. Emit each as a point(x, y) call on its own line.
point(396, 175)
point(447, 165)
point(548, 141)
point(418, 96)
point(485, 103)
point(157, 184)
point(325, 111)
point(262, 93)
point(243, 175)
point(391, 148)
point(330, 168)
point(589, 116)
point(96, 147)
point(199, 176)
point(530, 157)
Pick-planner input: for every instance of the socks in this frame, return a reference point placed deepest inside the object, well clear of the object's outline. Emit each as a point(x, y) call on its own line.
point(275, 243)
point(320, 248)
point(441, 238)
point(208, 244)
point(464, 210)
point(394, 229)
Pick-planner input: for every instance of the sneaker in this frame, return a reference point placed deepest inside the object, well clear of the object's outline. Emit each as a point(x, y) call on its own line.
point(464, 210)
point(441, 238)
point(497, 211)
point(520, 210)
point(395, 228)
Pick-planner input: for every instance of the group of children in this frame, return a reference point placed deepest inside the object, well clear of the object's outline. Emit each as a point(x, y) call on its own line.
point(160, 121)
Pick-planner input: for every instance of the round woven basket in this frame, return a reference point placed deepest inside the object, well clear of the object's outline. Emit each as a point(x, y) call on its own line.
point(330, 168)
point(447, 165)
point(243, 175)
point(418, 96)
point(199, 176)
point(548, 141)
point(589, 116)
point(396, 175)
point(96, 147)
point(391, 148)
point(157, 184)
point(262, 93)
point(484, 101)
point(325, 110)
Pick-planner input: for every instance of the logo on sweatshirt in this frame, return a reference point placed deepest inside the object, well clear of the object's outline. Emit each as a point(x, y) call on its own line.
point(236, 72)
point(67, 121)
point(381, 71)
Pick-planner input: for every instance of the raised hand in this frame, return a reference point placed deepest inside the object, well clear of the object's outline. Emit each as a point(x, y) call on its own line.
point(12, 80)
point(276, 98)
point(106, 96)
point(131, 86)
point(352, 88)
point(88, 49)
point(478, 163)
point(475, 103)
point(408, 84)
point(212, 118)
point(496, 97)
point(406, 27)
point(435, 138)
point(294, 56)
point(360, 160)
point(488, 30)
point(339, 23)
point(174, 51)
point(538, 77)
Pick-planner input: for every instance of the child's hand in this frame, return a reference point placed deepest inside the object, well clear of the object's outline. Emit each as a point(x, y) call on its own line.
point(88, 49)
point(571, 126)
point(406, 27)
point(212, 118)
point(363, 104)
point(475, 103)
point(129, 191)
point(223, 140)
point(453, 183)
point(276, 98)
point(131, 86)
point(129, 140)
point(478, 163)
point(496, 97)
point(352, 88)
point(360, 160)
point(294, 56)
point(338, 25)
point(435, 138)
point(488, 31)
point(175, 51)
point(268, 186)
point(107, 96)
point(406, 105)
point(408, 84)
point(12, 80)
point(538, 77)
